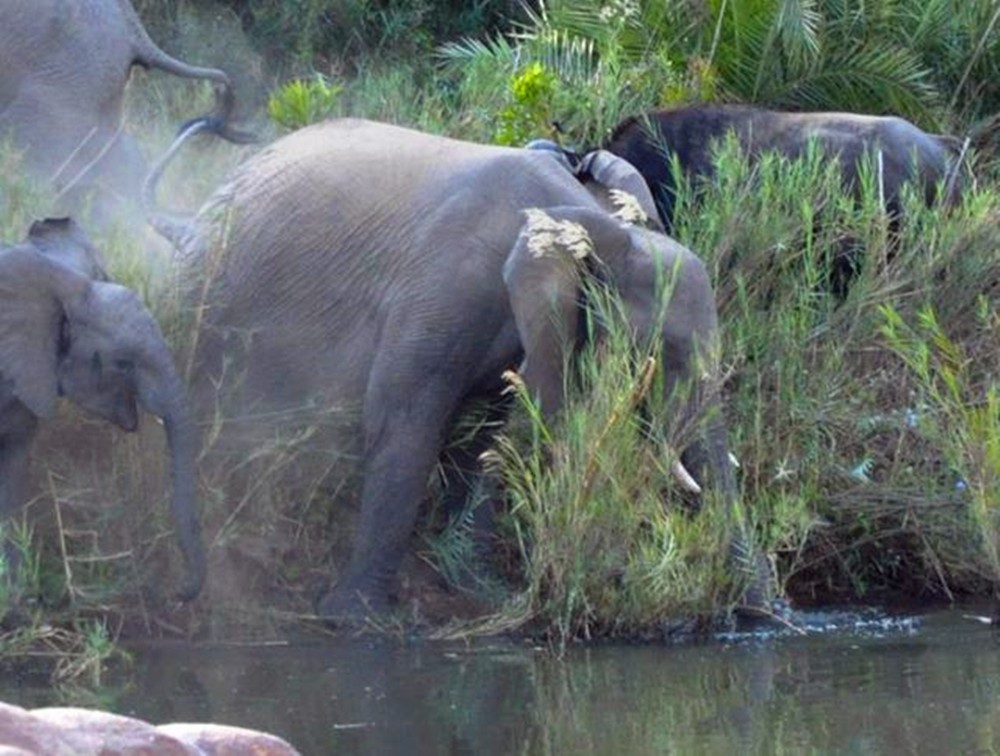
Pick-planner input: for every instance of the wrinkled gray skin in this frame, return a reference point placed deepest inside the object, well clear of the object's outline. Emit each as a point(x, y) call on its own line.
point(373, 265)
point(652, 140)
point(67, 331)
point(63, 69)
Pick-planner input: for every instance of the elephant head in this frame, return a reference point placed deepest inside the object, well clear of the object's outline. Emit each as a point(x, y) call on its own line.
point(607, 177)
point(647, 269)
point(604, 174)
point(63, 241)
point(668, 298)
point(64, 331)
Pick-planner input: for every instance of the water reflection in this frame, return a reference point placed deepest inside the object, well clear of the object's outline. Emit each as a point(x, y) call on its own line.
point(936, 689)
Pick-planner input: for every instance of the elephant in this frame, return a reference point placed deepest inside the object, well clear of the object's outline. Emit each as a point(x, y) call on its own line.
point(64, 65)
point(652, 140)
point(66, 330)
point(369, 265)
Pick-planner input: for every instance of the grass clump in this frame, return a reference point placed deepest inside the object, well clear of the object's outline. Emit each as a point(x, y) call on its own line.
point(959, 413)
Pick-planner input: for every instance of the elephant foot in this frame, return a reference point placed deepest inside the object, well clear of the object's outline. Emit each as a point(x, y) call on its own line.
point(760, 608)
point(348, 606)
point(759, 595)
point(776, 610)
point(777, 617)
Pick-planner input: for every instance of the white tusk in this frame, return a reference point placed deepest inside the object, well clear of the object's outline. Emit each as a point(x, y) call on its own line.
point(684, 477)
point(733, 461)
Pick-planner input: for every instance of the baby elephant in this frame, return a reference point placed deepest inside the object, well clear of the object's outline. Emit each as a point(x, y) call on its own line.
point(65, 330)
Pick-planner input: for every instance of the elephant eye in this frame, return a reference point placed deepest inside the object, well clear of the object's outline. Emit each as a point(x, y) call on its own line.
point(124, 365)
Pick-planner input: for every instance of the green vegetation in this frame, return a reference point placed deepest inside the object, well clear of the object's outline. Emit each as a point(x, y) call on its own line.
point(860, 423)
point(301, 102)
point(868, 427)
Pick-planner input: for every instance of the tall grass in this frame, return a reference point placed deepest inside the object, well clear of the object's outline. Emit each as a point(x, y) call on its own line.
point(832, 403)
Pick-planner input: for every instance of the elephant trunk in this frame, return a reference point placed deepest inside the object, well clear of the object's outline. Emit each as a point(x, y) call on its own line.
point(163, 395)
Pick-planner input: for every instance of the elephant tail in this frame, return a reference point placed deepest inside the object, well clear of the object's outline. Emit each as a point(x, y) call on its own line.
point(147, 53)
point(175, 229)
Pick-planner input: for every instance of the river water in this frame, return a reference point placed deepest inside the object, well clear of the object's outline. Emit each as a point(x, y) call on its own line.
point(856, 684)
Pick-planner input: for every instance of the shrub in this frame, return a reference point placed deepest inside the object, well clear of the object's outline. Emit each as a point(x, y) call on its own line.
point(303, 101)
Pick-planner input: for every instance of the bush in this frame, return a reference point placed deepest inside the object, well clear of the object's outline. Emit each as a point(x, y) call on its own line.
point(303, 101)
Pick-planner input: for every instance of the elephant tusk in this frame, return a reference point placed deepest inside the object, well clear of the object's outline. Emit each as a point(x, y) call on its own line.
point(688, 483)
point(72, 155)
point(733, 461)
point(89, 166)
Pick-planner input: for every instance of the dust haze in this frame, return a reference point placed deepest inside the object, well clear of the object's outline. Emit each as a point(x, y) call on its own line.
point(100, 496)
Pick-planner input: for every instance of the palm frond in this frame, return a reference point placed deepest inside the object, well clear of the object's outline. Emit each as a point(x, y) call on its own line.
point(798, 24)
point(873, 79)
point(470, 50)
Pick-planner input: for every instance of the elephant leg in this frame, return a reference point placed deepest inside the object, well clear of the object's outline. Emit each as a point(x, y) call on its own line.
point(463, 468)
point(17, 429)
point(707, 458)
point(404, 422)
point(471, 497)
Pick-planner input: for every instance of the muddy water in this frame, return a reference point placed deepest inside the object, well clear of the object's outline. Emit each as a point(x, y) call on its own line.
point(855, 684)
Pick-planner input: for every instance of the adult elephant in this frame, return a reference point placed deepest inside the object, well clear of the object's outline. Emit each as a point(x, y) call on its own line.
point(688, 134)
point(359, 264)
point(64, 65)
point(65, 330)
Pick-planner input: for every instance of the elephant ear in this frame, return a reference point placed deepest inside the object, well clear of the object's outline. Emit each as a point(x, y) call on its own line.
point(543, 276)
point(64, 242)
point(33, 291)
point(624, 184)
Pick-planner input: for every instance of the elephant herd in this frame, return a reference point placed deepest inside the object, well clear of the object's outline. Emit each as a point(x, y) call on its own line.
point(363, 265)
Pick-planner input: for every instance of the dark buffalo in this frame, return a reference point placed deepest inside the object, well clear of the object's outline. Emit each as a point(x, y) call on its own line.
point(650, 141)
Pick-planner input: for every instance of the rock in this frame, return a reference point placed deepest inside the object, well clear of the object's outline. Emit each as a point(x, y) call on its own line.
point(20, 732)
point(223, 740)
point(67, 731)
point(99, 732)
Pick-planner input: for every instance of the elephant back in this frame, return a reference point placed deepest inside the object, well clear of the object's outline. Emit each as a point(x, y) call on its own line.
point(350, 176)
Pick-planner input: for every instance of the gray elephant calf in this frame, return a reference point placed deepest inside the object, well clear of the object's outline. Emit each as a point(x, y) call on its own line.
point(67, 331)
point(362, 264)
